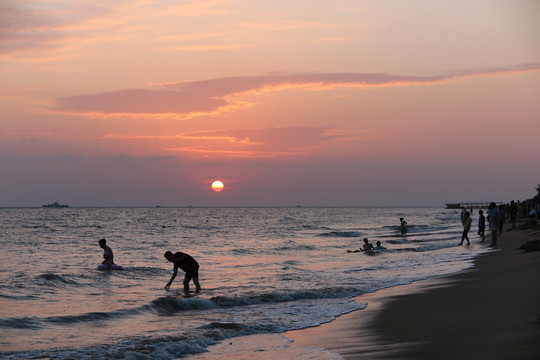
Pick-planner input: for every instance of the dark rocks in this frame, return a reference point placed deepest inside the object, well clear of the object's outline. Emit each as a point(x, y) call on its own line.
point(533, 245)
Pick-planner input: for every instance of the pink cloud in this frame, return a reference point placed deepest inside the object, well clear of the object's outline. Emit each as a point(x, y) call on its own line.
point(193, 98)
point(139, 101)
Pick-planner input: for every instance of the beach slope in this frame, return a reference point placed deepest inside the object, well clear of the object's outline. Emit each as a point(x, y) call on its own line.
point(491, 311)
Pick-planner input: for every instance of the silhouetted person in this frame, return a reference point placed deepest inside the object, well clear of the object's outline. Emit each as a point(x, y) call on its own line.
point(481, 225)
point(493, 216)
point(403, 226)
point(379, 246)
point(366, 247)
point(188, 264)
point(513, 213)
point(501, 219)
point(107, 253)
point(467, 222)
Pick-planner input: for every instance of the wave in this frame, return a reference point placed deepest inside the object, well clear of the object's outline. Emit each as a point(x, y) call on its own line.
point(400, 240)
point(70, 319)
point(159, 348)
point(18, 297)
point(242, 251)
point(238, 329)
point(21, 323)
point(296, 247)
point(142, 270)
point(169, 305)
point(284, 296)
point(342, 234)
point(50, 279)
point(39, 323)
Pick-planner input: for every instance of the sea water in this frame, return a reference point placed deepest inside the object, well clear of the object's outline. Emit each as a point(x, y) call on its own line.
point(263, 271)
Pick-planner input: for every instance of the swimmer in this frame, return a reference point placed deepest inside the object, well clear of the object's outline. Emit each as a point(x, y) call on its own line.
point(366, 247)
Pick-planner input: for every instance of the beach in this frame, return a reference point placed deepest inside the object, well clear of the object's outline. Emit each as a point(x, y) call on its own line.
point(491, 311)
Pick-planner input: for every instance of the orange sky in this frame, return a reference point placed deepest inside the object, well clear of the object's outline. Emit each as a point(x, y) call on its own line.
point(288, 103)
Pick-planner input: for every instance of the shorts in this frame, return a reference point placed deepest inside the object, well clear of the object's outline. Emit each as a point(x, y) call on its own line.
point(194, 274)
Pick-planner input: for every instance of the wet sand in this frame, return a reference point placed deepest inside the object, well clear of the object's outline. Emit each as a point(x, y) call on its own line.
point(491, 311)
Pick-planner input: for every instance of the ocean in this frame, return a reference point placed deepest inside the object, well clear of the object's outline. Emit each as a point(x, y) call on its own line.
point(263, 271)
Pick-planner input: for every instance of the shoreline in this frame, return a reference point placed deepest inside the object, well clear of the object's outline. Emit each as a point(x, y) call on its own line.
point(489, 311)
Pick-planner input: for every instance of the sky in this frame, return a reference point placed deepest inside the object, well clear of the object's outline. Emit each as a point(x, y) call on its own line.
point(310, 103)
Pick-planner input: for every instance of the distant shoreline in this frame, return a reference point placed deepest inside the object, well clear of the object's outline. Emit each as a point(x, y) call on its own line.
point(228, 206)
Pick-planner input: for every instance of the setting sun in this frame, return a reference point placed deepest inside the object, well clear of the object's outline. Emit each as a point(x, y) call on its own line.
point(217, 186)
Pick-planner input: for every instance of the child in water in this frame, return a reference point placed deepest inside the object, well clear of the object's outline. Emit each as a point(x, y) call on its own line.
point(107, 253)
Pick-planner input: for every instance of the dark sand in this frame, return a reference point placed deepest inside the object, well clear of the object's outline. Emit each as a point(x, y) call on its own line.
point(491, 311)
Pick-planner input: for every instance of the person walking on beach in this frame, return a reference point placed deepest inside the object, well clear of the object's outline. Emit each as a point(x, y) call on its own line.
point(188, 264)
point(481, 225)
point(462, 214)
point(493, 217)
point(513, 213)
point(107, 253)
point(403, 226)
point(467, 222)
point(501, 218)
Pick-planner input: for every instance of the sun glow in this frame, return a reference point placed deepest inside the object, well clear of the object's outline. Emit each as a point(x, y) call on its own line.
point(217, 186)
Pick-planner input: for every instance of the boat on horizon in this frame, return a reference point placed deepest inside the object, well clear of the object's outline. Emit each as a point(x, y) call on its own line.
point(55, 205)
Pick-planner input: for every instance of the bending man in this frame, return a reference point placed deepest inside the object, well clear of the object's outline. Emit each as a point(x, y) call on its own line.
point(186, 263)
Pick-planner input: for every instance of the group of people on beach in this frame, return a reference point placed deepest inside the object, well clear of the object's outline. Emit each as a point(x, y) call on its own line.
point(180, 260)
point(496, 217)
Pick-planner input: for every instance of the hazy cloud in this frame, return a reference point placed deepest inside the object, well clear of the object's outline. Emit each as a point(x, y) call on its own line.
point(257, 143)
point(35, 29)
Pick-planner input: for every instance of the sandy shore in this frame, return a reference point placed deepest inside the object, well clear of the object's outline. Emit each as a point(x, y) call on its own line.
point(489, 312)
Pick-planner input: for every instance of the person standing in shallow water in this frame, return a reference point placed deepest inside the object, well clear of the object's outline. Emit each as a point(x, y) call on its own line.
point(481, 225)
point(467, 222)
point(493, 216)
point(188, 264)
point(403, 226)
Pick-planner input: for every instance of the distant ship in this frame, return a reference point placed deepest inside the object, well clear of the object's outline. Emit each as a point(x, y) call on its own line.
point(55, 205)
